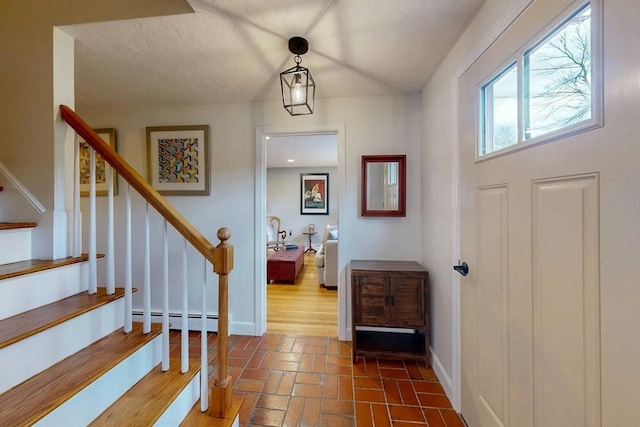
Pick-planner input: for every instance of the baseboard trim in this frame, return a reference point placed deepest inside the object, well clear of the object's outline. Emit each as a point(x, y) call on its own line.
point(243, 328)
point(195, 322)
point(443, 376)
point(175, 320)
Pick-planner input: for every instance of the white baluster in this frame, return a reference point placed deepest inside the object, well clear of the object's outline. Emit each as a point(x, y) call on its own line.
point(204, 362)
point(184, 367)
point(146, 295)
point(128, 273)
point(111, 256)
point(93, 254)
point(77, 226)
point(165, 298)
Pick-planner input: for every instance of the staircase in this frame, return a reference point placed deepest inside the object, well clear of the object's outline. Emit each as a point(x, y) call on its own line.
point(64, 357)
point(70, 354)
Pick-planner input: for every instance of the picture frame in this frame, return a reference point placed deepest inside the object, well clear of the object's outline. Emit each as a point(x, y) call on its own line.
point(178, 160)
point(314, 194)
point(108, 135)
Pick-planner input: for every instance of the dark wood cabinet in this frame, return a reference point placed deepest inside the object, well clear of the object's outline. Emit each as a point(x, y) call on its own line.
point(390, 294)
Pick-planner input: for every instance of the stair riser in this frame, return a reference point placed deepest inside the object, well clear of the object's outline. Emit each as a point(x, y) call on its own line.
point(87, 405)
point(32, 355)
point(29, 291)
point(180, 407)
point(15, 245)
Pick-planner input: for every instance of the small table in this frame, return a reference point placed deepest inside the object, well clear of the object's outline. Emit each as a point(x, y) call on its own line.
point(310, 247)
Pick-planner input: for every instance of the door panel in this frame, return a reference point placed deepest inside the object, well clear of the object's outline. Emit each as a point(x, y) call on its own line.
point(493, 304)
point(372, 304)
point(566, 301)
point(407, 301)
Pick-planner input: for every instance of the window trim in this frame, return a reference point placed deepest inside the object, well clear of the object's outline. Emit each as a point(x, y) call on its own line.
point(597, 99)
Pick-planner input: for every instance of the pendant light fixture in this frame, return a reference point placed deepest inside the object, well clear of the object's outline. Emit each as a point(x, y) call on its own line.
point(298, 87)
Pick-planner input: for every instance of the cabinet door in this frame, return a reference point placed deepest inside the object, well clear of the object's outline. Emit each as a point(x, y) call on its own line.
point(407, 301)
point(372, 301)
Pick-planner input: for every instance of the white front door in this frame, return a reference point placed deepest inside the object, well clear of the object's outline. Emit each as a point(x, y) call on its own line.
point(550, 309)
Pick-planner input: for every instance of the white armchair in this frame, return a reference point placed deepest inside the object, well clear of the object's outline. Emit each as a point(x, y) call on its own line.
point(326, 259)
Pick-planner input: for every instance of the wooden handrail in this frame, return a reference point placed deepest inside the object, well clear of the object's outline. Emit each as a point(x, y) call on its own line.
point(145, 189)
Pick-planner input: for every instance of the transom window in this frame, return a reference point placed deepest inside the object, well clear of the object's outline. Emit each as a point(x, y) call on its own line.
point(545, 93)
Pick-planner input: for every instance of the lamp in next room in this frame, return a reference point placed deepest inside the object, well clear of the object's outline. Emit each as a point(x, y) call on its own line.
point(298, 87)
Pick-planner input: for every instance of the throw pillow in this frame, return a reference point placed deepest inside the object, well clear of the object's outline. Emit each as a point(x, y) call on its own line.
point(333, 235)
point(327, 229)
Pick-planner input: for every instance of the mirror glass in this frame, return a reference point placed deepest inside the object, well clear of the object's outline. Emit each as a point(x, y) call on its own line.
point(382, 186)
point(383, 182)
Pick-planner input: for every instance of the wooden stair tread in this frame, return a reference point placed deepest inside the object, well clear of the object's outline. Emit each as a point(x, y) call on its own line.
point(16, 225)
point(29, 323)
point(36, 397)
point(149, 398)
point(20, 268)
point(195, 418)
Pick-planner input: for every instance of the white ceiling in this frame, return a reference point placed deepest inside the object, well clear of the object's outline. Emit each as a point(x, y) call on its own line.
point(304, 150)
point(233, 50)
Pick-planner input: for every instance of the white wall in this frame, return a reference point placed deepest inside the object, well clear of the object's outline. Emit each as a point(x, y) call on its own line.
point(438, 186)
point(31, 91)
point(283, 201)
point(377, 125)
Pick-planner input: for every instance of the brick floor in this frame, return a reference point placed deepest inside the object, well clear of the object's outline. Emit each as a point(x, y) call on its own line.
point(292, 380)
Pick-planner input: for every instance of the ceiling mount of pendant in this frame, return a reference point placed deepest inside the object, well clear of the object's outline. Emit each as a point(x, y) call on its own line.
point(298, 45)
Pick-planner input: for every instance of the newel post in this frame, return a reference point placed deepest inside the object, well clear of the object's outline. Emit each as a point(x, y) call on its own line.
point(220, 396)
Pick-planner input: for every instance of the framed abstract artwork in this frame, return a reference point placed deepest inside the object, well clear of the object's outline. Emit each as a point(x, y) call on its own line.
point(178, 160)
point(314, 197)
point(109, 136)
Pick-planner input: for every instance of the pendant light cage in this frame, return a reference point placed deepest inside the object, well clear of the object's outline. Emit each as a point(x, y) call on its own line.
point(297, 84)
point(298, 90)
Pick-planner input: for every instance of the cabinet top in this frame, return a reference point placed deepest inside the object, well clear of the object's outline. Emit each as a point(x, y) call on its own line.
point(379, 265)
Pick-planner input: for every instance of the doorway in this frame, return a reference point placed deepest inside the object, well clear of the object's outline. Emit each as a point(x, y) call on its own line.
point(338, 130)
point(302, 306)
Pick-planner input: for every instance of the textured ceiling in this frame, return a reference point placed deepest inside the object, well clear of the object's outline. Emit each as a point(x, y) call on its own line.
point(233, 50)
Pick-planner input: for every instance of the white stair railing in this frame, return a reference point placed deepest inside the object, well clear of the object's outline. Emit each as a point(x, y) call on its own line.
point(221, 257)
point(184, 339)
point(93, 252)
point(128, 270)
point(22, 189)
point(111, 255)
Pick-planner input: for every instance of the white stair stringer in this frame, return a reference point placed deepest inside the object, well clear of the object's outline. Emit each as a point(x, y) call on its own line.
point(94, 399)
point(32, 355)
point(181, 406)
point(26, 292)
point(15, 245)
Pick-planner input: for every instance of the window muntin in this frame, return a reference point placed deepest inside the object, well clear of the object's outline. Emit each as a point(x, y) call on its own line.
point(554, 94)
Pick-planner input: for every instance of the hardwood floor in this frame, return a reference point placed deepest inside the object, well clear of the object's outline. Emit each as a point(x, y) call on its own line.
point(303, 308)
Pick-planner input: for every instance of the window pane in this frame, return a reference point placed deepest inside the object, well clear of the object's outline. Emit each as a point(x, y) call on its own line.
point(558, 78)
point(500, 112)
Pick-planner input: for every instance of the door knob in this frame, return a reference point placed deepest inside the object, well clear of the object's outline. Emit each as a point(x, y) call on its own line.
point(462, 268)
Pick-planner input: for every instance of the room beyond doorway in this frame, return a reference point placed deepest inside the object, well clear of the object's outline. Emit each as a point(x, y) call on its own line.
point(303, 307)
point(263, 134)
